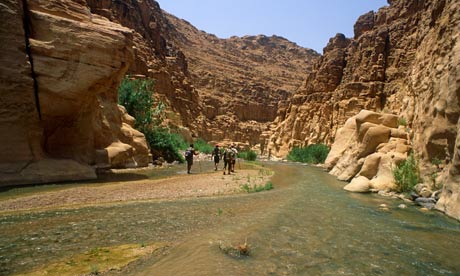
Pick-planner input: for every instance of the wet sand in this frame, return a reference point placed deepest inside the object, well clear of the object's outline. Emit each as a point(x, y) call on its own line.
point(172, 188)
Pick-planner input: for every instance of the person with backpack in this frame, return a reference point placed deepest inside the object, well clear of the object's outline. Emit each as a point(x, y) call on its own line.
point(216, 156)
point(229, 159)
point(235, 155)
point(189, 153)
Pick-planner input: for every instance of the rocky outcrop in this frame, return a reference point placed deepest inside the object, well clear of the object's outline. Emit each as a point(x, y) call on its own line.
point(60, 75)
point(404, 60)
point(366, 150)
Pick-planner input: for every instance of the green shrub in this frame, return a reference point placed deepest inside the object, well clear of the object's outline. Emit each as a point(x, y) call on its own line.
point(164, 144)
point(257, 188)
point(436, 161)
point(248, 155)
point(407, 174)
point(136, 95)
point(313, 154)
point(402, 121)
point(202, 146)
point(179, 141)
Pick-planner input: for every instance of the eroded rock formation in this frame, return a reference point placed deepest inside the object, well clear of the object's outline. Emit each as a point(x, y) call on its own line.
point(60, 75)
point(366, 150)
point(403, 59)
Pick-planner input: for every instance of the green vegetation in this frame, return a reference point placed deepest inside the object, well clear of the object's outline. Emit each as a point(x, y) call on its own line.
point(407, 174)
point(203, 146)
point(94, 269)
point(98, 261)
point(257, 188)
point(164, 144)
point(137, 97)
point(402, 121)
point(436, 161)
point(313, 154)
point(248, 155)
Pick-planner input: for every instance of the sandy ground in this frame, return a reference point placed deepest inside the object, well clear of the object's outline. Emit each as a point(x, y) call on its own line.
point(184, 186)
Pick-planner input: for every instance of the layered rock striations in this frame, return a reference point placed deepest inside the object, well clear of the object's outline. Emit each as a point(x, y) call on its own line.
point(60, 74)
point(403, 59)
point(241, 81)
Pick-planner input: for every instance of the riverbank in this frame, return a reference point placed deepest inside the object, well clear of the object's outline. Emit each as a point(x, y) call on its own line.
point(169, 188)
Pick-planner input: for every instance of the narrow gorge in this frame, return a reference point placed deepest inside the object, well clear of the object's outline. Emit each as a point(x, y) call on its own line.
point(61, 68)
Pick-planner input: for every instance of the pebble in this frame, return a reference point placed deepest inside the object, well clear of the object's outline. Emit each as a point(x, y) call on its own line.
point(402, 206)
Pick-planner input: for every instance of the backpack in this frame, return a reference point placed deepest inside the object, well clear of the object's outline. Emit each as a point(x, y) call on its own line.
point(188, 154)
point(229, 154)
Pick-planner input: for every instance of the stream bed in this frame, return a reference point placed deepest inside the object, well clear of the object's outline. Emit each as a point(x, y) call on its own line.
point(307, 225)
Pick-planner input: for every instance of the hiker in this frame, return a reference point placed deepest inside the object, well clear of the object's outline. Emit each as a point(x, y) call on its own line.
point(235, 155)
point(216, 156)
point(224, 157)
point(189, 157)
point(229, 159)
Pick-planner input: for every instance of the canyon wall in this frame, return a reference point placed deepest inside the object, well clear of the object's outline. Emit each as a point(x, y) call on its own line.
point(403, 59)
point(242, 81)
point(60, 69)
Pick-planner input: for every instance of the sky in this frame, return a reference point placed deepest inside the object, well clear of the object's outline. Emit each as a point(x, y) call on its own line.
point(309, 23)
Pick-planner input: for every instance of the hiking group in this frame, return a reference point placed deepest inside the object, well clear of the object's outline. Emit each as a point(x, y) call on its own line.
point(228, 155)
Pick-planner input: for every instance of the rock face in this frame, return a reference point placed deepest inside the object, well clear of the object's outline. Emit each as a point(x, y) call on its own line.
point(366, 149)
point(60, 75)
point(403, 59)
point(241, 81)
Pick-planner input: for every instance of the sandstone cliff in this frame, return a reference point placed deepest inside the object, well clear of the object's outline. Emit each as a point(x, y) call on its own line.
point(403, 59)
point(60, 68)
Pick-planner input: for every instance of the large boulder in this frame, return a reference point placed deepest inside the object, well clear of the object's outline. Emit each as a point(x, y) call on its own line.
point(359, 184)
point(365, 152)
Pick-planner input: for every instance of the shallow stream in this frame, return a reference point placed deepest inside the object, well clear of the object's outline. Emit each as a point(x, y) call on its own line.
point(307, 225)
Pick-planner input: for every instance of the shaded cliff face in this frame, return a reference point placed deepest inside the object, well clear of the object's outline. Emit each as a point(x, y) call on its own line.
point(403, 59)
point(60, 74)
point(241, 80)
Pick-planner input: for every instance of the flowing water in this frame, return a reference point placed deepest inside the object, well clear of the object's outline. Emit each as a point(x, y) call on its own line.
point(307, 225)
